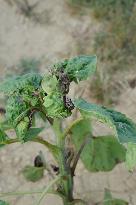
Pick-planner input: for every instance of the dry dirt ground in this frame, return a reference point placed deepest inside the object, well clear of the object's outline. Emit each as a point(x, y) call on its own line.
point(51, 32)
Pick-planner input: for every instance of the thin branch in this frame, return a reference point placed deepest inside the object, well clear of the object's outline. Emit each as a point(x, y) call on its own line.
point(52, 148)
point(22, 193)
point(78, 154)
point(45, 191)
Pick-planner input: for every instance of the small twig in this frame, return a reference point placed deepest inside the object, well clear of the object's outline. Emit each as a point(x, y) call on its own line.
point(51, 147)
point(22, 193)
point(45, 191)
point(78, 154)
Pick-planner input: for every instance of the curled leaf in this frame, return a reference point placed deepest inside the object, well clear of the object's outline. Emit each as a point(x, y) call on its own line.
point(124, 128)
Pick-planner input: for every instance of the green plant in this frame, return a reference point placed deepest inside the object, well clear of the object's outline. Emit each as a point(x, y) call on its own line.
point(31, 93)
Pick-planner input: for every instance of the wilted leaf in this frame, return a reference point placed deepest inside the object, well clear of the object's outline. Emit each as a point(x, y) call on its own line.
point(109, 200)
point(100, 153)
point(131, 156)
point(123, 127)
point(78, 68)
point(32, 173)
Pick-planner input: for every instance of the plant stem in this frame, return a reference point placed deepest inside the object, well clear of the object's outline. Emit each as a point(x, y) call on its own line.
point(64, 168)
point(78, 154)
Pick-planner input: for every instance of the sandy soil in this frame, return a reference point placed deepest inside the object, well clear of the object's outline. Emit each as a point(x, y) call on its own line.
point(53, 31)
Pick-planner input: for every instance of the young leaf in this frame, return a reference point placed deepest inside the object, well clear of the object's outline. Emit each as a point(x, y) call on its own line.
point(32, 173)
point(109, 200)
point(123, 127)
point(3, 203)
point(131, 156)
point(78, 68)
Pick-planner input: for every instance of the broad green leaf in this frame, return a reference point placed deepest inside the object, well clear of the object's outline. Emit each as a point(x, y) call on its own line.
point(32, 173)
point(131, 156)
point(123, 127)
point(100, 153)
point(109, 200)
point(78, 68)
point(3, 203)
point(3, 138)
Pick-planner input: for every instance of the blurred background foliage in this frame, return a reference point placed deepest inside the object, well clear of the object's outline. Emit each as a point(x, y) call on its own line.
point(114, 44)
